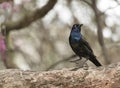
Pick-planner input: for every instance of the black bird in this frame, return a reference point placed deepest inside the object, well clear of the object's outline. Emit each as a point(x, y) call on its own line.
point(80, 46)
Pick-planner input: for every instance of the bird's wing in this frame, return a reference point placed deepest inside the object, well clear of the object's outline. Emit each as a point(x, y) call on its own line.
point(86, 45)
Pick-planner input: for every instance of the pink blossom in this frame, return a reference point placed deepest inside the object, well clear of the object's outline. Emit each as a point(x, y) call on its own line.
point(5, 5)
point(2, 44)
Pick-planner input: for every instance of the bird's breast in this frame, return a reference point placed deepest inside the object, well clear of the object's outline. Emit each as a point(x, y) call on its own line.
point(75, 45)
point(75, 40)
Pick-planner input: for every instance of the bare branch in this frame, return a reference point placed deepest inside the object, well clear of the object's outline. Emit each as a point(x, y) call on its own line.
point(1, 1)
point(29, 18)
point(88, 3)
point(59, 62)
point(109, 9)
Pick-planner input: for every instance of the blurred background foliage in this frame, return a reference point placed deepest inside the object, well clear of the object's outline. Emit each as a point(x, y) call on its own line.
point(36, 32)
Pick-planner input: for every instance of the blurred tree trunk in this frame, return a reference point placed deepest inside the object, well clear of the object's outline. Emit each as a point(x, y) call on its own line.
point(99, 31)
point(25, 21)
point(107, 77)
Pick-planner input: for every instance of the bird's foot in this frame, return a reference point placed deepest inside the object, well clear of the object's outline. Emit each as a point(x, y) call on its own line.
point(75, 60)
point(75, 69)
point(85, 66)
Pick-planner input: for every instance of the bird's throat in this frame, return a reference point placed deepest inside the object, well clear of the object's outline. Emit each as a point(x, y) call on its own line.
point(75, 37)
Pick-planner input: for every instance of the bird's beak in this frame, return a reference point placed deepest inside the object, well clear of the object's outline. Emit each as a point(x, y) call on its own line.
point(81, 25)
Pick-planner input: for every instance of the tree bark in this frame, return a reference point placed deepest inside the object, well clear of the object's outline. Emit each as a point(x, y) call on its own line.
point(103, 77)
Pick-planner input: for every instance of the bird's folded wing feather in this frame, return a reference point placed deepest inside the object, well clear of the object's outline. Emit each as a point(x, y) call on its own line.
point(86, 45)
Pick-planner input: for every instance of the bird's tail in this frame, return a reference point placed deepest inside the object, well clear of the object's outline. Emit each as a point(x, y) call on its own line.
point(94, 60)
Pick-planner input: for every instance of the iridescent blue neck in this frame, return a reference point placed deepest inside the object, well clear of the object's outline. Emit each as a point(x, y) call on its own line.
point(75, 36)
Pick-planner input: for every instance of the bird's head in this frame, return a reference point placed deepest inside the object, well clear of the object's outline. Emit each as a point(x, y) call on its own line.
point(77, 27)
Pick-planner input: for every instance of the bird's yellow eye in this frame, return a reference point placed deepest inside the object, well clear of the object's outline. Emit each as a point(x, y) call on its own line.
point(75, 25)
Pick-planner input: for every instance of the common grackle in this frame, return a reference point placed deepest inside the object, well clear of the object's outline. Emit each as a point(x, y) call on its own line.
point(80, 46)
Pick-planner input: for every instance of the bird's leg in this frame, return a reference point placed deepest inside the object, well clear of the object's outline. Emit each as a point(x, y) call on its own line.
point(75, 60)
point(83, 65)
